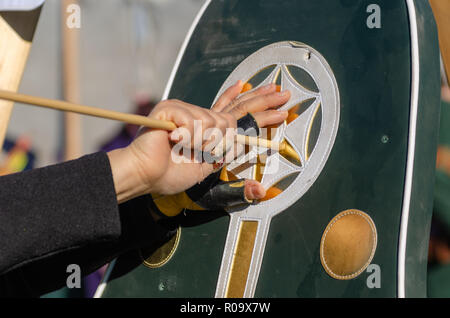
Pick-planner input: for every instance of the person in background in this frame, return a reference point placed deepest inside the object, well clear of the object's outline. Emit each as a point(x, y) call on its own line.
point(127, 132)
point(16, 155)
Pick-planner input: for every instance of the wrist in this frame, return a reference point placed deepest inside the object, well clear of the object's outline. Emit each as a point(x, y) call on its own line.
point(127, 182)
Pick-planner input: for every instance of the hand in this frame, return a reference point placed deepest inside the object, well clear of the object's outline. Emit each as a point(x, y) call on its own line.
point(260, 104)
point(146, 166)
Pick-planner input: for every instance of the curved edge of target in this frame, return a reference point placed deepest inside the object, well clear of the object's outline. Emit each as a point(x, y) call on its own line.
point(183, 49)
point(415, 71)
point(101, 287)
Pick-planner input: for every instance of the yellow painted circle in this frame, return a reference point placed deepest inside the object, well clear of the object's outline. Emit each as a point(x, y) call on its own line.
point(348, 244)
point(164, 253)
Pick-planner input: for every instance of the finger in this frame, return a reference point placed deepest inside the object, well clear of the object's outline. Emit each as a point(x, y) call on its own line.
point(195, 119)
point(228, 96)
point(181, 117)
point(263, 90)
point(254, 190)
point(225, 150)
point(224, 122)
point(270, 117)
point(233, 152)
point(171, 110)
point(205, 170)
point(260, 103)
point(190, 127)
point(208, 118)
point(207, 126)
point(210, 150)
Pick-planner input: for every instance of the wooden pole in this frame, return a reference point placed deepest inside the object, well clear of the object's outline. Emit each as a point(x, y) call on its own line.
point(441, 11)
point(71, 82)
point(16, 34)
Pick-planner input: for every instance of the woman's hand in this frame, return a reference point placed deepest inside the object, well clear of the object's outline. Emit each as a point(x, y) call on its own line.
point(147, 165)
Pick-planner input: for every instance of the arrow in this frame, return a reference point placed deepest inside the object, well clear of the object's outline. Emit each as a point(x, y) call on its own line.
point(129, 118)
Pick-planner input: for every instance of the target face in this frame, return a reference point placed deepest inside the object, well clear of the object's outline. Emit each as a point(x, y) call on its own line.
point(379, 162)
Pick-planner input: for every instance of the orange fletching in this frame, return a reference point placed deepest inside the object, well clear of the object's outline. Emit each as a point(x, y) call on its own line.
point(291, 117)
point(247, 87)
point(271, 193)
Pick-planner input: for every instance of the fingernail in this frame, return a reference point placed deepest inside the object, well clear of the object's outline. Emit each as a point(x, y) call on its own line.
point(218, 165)
point(238, 83)
point(283, 113)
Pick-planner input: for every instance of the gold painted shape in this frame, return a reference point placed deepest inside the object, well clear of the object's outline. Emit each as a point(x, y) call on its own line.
point(348, 244)
point(242, 258)
point(164, 253)
point(289, 153)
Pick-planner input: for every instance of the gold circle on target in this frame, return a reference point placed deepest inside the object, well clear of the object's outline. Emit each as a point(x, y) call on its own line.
point(164, 253)
point(348, 244)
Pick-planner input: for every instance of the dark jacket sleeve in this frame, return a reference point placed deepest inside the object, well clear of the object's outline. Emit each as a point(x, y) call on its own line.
point(66, 214)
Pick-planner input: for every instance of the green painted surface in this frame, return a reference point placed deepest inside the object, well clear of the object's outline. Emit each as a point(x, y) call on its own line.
point(439, 282)
point(365, 170)
point(419, 222)
point(192, 270)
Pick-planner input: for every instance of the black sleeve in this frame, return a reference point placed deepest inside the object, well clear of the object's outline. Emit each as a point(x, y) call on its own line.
point(66, 214)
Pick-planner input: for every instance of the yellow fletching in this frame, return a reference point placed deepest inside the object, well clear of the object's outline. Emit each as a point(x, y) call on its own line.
point(288, 151)
point(172, 205)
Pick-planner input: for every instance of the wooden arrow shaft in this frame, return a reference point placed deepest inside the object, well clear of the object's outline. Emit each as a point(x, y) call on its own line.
point(124, 117)
point(87, 110)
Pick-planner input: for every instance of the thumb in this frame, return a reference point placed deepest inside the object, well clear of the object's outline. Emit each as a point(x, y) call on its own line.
point(254, 190)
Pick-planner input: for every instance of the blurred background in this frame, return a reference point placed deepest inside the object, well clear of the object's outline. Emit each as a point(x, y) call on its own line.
point(122, 56)
point(127, 49)
point(120, 59)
